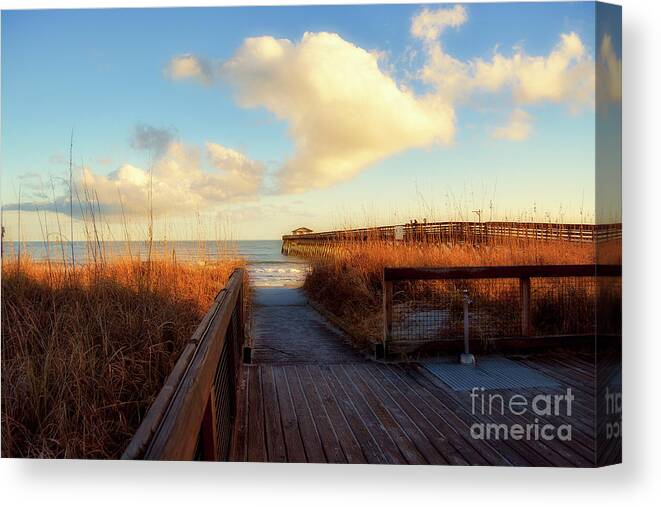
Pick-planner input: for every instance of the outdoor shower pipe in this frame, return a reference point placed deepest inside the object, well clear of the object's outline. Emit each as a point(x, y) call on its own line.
point(467, 302)
point(466, 358)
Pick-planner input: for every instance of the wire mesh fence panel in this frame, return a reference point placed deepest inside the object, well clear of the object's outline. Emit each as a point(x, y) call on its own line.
point(431, 310)
point(225, 384)
point(569, 305)
point(609, 305)
point(561, 306)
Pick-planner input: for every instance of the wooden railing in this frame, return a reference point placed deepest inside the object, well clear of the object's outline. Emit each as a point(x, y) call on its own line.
point(193, 414)
point(466, 231)
point(522, 273)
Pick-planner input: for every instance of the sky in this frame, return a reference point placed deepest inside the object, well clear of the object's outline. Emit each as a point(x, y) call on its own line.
point(253, 121)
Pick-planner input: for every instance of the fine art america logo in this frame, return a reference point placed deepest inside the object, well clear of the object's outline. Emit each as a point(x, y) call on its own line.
point(613, 400)
point(498, 406)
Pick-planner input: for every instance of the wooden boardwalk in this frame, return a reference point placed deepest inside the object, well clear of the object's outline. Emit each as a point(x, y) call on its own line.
point(308, 397)
point(287, 330)
point(454, 232)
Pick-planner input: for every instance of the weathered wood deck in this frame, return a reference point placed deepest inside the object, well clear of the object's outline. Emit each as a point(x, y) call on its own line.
point(310, 398)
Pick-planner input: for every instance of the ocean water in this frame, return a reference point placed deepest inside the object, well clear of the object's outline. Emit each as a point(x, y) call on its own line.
point(267, 267)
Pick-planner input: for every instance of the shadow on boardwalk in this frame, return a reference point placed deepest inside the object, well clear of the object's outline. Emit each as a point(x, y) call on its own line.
point(308, 397)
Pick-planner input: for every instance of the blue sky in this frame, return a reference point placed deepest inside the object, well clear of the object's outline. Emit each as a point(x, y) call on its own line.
point(515, 150)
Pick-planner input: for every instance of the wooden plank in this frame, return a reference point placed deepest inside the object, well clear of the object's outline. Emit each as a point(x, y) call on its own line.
point(452, 406)
point(474, 272)
point(370, 448)
point(583, 404)
point(339, 443)
point(582, 434)
point(394, 439)
point(535, 451)
point(556, 451)
point(292, 436)
point(577, 387)
point(579, 370)
point(439, 434)
point(451, 423)
point(256, 438)
point(563, 374)
point(582, 410)
point(275, 441)
point(314, 451)
point(408, 426)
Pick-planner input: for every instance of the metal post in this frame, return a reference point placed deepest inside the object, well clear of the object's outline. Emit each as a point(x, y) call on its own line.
point(387, 316)
point(467, 358)
point(242, 340)
point(524, 286)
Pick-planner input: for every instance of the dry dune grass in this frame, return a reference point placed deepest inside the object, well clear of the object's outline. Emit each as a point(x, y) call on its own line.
point(346, 279)
point(86, 350)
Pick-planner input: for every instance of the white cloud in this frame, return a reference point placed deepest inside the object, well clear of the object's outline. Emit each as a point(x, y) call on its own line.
point(238, 176)
point(343, 112)
point(189, 67)
point(518, 127)
point(609, 73)
point(428, 24)
point(450, 78)
point(183, 180)
point(154, 140)
point(564, 75)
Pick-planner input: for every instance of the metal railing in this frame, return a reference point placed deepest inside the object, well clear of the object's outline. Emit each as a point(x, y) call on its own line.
point(192, 418)
point(426, 305)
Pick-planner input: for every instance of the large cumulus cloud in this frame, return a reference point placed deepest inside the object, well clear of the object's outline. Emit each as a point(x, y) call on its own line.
point(343, 112)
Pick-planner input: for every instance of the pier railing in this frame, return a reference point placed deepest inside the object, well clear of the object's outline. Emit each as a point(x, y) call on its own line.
point(423, 307)
point(192, 418)
point(457, 232)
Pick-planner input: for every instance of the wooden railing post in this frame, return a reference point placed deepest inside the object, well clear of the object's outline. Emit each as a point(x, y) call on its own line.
point(208, 430)
point(524, 285)
point(387, 314)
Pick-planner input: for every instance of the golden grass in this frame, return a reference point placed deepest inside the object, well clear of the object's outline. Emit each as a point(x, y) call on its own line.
point(346, 279)
point(86, 350)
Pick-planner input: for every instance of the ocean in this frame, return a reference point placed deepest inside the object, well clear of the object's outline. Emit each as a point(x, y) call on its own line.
point(267, 267)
